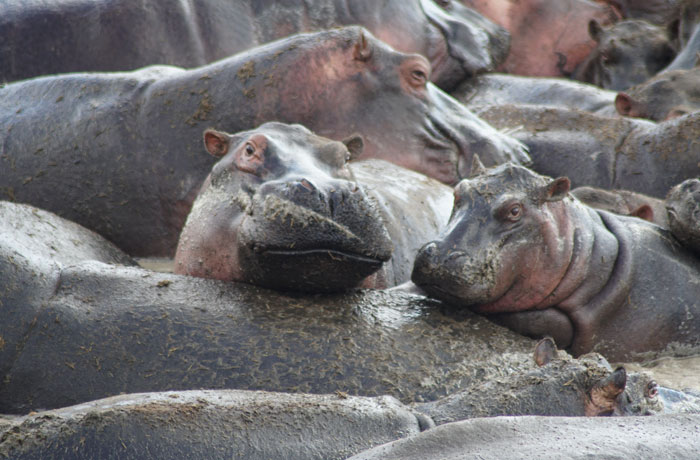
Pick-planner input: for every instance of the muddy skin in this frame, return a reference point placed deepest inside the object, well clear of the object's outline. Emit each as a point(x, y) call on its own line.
point(501, 89)
point(134, 169)
point(667, 95)
point(114, 35)
point(604, 152)
point(533, 258)
point(683, 207)
point(284, 209)
point(212, 424)
point(576, 438)
point(628, 53)
point(548, 37)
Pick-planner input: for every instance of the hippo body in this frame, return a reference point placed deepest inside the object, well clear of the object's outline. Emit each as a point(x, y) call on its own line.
point(284, 209)
point(555, 53)
point(211, 424)
point(604, 152)
point(112, 35)
point(549, 265)
point(627, 54)
point(120, 153)
point(624, 202)
point(667, 95)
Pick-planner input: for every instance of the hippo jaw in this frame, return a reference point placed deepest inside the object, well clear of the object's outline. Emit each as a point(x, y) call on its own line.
point(284, 245)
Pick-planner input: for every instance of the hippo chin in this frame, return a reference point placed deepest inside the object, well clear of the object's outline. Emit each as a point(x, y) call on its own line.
point(284, 209)
point(522, 250)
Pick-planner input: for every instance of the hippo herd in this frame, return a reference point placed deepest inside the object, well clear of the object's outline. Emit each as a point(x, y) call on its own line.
point(376, 246)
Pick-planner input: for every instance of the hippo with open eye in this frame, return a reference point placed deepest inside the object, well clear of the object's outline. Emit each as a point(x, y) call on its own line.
point(283, 209)
point(520, 249)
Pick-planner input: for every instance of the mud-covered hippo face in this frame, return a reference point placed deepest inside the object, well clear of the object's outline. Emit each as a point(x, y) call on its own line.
point(504, 248)
point(281, 210)
point(386, 96)
point(667, 95)
point(628, 53)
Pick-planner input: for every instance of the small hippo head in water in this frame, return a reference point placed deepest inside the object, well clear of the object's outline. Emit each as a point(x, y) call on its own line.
point(281, 209)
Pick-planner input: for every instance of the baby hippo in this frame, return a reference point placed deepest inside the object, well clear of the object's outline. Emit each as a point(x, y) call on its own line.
point(522, 250)
point(283, 209)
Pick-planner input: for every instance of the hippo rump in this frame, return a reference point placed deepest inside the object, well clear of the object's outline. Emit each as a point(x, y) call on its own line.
point(667, 437)
point(211, 424)
point(667, 95)
point(109, 35)
point(548, 37)
point(121, 155)
point(627, 54)
point(283, 209)
point(604, 152)
point(521, 250)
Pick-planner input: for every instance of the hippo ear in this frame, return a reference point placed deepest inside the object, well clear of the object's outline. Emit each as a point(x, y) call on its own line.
point(623, 104)
point(362, 50)
point(216, 142)
point(477, 168)
point(545, 351)
point(355, 144)
point(595, 29)
point(603, 395)
point(557, 190)
point(644, 212)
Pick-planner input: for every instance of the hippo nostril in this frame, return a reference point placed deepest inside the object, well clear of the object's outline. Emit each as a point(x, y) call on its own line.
point(307, 185)
point(455, 255)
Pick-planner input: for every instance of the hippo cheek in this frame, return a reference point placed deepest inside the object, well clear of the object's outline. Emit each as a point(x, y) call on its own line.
point(286, 246)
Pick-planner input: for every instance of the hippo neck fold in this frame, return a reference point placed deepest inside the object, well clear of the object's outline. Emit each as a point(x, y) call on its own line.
point(608, 282)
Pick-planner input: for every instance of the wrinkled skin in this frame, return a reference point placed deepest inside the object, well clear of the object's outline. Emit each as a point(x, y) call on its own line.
point(520, 249)
point(212, 424)
point(605, 152)
point(667, 95)
point(627, 54)
point(666, 437)
point(548, 37)
point(108, 35)
point(284, 209)
point(136, 164)
point(683, 206)
point(500, 89)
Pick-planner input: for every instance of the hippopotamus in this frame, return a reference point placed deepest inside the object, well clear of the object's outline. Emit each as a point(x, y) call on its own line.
point(502, 89)
point(120, 153)
point(110, 35)
point(627, 53)
point(605, 152)
point(282, 208)
point(548, 37)
point(667, 95)
point(521, 250)
point(659, 12)
point(668, 437)
point(683, 206)
point(624, 202)
point(212, 424)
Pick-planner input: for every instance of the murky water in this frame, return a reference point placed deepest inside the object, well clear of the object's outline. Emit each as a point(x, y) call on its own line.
point(675, 373)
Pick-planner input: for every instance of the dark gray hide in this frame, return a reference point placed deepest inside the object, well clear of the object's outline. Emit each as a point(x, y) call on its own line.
point(605, 152)
point(668, 437)
point(109, 35)
point(211, 424)
point(121, 153)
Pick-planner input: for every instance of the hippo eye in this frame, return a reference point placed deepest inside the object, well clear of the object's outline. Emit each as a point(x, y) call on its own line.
point(249, 149)
point(514, 213)
point(652, 389)
point(419, 78)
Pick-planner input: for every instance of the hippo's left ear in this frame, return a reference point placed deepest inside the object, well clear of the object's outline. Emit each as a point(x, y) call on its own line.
point(355, 144)
point(216, 142)
point(556, 190)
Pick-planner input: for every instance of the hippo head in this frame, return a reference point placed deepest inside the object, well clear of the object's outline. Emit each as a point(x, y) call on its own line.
point(361, 85)
point(667, 95)
point(280, 209)
point(627, 54)
point(683, 208)
point(506, 248)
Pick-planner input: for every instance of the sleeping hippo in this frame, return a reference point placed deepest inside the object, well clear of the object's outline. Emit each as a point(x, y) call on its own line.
point(627, 54)
point(120, 153)
point(108, 35)
point(521, 250)
point(283, 209)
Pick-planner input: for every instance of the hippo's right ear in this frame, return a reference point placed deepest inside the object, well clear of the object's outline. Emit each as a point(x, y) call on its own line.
point(545, 351)
point(623, 104)
point(216, 142)
point(595, 29)
point(556, 190)
point(355, 144)
point(362, 51)
point(477, 168)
